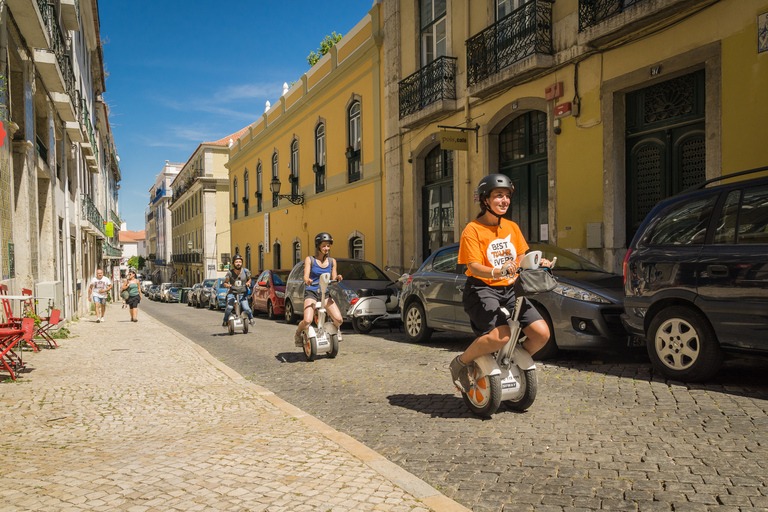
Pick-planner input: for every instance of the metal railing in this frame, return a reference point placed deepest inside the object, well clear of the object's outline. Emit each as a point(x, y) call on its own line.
point(110, 250)
point(60, 47)
point(592, 12)
point(115, 218)
point(523, 32)
point(91, 213)
point(43, 6)
point(89, 129)
point(187, 257)
point(434, 82)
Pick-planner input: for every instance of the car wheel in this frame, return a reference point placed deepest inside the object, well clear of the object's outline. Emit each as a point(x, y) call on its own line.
point(290, 315)
point(683, 346)
point(416, 323)
point(270, 311)
point(549, 350)
point(210, 305)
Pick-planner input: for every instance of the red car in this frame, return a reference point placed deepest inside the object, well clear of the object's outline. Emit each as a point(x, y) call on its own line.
point(269, 293)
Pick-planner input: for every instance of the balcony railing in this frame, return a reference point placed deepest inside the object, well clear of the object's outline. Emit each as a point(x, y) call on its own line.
point(592, 12)
point(115, 218)
point(89, 129)
point(91, 213)
point(60, 47)
point(523, 32)
point(189, 257)
point(43, 6)
point(110, 250)
point(434, 82)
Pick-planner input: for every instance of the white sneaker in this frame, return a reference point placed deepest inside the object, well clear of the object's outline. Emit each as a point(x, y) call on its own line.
point(98, 319)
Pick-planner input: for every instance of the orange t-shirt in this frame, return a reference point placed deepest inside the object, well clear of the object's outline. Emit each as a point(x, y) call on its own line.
point(491, 246)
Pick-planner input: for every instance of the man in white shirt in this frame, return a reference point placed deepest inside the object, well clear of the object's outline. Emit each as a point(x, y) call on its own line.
point(97, 292)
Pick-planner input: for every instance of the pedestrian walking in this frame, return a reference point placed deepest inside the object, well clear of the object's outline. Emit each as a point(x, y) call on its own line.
point(131, 285)
point(97, 293)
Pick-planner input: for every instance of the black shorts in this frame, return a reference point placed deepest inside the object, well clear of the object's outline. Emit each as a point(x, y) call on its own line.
point(311, 294)
point(482, 303)
point(133, 302)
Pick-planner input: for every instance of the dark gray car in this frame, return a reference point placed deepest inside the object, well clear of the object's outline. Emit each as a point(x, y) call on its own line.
point(356, 274)
point(583, 312)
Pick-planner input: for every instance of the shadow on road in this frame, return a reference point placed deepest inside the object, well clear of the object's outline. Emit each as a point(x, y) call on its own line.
point(434, 405)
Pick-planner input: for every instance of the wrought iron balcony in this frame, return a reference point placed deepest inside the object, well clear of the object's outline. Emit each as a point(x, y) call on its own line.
point(111, 251)
point(60, 47)
point(523, 32)
point(592, 12)
point(187, 257)
point(91, 213)
point(434, 82)
point(89, 130)
point(115, 218)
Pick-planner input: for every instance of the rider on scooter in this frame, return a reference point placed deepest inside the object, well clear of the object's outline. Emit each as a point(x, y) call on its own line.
point(238, 282)
point(321, 263)
point(492, 248)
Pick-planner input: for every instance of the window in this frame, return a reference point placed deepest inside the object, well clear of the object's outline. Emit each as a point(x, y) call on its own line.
point(446, 261)
point(684, 223)
point(237, 250)
point(248, 257)
point(275, 170)
point(261, 256)
point(276, 255)
point(295, 168)
point(319, 167)
point(437, 200)
point(752, 218)
point(353, 149)
point(258, 188)
point(356, 248)
point(504, 7)
point(433, 30)
point(296, 252)
point(245, 193)
point(234, 199)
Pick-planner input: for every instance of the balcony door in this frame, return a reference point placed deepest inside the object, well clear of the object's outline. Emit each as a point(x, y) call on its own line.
point(437, 201)
point(433, 30)
point(523, 158)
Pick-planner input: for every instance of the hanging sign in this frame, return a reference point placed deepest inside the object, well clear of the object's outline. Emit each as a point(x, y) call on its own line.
point(108, 229)
point(266, 232)
point(455, 140)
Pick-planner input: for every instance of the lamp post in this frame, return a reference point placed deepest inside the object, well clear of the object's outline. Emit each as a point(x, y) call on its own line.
point(274, 186)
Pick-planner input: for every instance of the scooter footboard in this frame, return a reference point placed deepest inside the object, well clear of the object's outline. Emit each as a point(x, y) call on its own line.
point(486, 365)
point(523, 359)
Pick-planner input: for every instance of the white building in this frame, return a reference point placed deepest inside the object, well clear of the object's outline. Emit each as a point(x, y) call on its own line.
point(158, 224)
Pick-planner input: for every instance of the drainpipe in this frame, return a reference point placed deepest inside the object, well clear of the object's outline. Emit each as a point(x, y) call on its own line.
point(467, 118)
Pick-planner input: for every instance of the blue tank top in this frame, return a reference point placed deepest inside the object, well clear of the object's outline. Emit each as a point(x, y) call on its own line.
point(315, 271)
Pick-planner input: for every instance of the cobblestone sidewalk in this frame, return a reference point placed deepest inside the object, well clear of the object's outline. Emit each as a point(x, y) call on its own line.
point(133, 416)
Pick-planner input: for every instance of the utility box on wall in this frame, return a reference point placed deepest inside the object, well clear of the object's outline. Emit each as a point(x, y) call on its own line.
point(52, 289)
point(594, 235)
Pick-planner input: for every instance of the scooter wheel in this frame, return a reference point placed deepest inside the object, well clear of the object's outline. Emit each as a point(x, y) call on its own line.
point(362, 325)
point(484, 395)
point(310, 348)
point(334, 346)
point(530, 385)
point(231, 328)
point(245, 325)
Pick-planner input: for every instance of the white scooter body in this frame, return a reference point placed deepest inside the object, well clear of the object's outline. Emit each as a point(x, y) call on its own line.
point(378, 308)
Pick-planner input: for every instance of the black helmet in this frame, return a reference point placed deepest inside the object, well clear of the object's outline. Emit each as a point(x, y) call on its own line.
point(493, 181)
point(323, 237)
point(237, 257)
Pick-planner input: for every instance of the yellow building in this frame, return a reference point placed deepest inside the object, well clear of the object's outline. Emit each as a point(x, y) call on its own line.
point(200, 212)
point(322, 143)
point(596, 110)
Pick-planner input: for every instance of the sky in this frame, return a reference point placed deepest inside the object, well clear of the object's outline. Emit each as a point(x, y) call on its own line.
point(183, 72)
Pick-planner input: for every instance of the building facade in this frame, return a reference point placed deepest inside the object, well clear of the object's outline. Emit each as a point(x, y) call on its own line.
point(59, 172)
point(595, 110)
point(314, 161)
point(159, 227)
point(200, 213)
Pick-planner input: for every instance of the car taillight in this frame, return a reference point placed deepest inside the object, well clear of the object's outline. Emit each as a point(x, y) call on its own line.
point(354, 301)
point(624, 265)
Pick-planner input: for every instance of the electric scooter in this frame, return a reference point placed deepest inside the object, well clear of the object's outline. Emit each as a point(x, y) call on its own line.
point(509, 374)
point(237, 319)
point(322, 336)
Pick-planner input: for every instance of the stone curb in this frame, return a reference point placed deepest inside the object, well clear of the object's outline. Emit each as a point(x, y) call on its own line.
point(413, 485)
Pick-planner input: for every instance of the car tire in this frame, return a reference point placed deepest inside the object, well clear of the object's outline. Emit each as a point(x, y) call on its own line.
point(549, 350)
point(271, 311)
point(290, 315)
point(415, 321)
point(683, 346)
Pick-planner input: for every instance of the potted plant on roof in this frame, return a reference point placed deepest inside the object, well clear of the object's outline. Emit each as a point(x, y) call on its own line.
point(350, 152)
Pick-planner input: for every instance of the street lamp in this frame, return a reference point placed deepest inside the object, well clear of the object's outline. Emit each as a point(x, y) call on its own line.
point(274, 186)
point(189, 247)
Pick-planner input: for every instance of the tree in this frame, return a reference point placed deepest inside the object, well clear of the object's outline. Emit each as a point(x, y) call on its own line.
point(137, 262)
point(325, 47)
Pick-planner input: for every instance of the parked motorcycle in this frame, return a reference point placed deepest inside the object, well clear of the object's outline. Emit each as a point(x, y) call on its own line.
point(378, 305)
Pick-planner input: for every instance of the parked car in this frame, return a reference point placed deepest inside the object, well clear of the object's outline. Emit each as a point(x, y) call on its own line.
point(356, 274)
point(145, 286)
point(204, 293)
point(583, 312)
point(173, 294)
point(696, 278)
point(268, 293)
point(152, 291)
point(164, 290)
point(192, 294)
point(217, 296)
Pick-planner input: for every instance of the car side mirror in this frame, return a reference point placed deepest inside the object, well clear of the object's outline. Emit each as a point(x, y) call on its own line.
point(262, 283)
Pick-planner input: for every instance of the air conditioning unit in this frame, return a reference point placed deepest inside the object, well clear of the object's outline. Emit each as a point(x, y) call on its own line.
point(53, 289)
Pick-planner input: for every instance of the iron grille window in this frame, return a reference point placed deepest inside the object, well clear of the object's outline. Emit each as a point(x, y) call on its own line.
point(261, 257)
point(295, 168)
point(246, 197)
point(259, 188)
point(434, 82)
point(296, 252)
point(319, 167)
point(353, 150)
point(523, 32)
point(275, 199)
point(525, 136)
point(234, 200)
point(356, 249)
point(592, 12)
point(438, 166)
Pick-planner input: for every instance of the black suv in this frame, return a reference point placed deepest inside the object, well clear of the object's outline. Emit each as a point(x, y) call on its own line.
point(696, 277)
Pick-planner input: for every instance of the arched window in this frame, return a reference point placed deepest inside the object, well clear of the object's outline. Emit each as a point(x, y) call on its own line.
point(248, 257)
point(354, 134)
point(357, 248)
point(319, 166)
point(295, 168)
point(245, 193)
point(276, 255)
point(296, 251)
point(259, 190)
point(234, 197)
point(261, 257)
point(275, 175)
point(237, 251)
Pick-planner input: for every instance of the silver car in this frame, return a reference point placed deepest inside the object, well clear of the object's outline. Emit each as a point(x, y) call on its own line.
point(356, 274)
point(583, 312)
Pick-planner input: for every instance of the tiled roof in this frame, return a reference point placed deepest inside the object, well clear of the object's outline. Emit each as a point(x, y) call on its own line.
point(225, 140)
point(132, 236)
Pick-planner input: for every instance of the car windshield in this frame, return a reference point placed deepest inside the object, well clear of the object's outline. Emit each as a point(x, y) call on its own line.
point(220, 282)
point(360, 271)
point(566, 260)
point(174, 290)
point(279, 278)
point(208, 282)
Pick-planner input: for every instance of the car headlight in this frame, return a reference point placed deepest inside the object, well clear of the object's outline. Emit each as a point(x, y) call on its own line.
point(575, 292)
point(222, 295)
point(280, 295)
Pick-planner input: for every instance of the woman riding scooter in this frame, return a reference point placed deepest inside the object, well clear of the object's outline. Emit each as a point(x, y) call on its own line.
point(492, 248)
point(314, 266)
